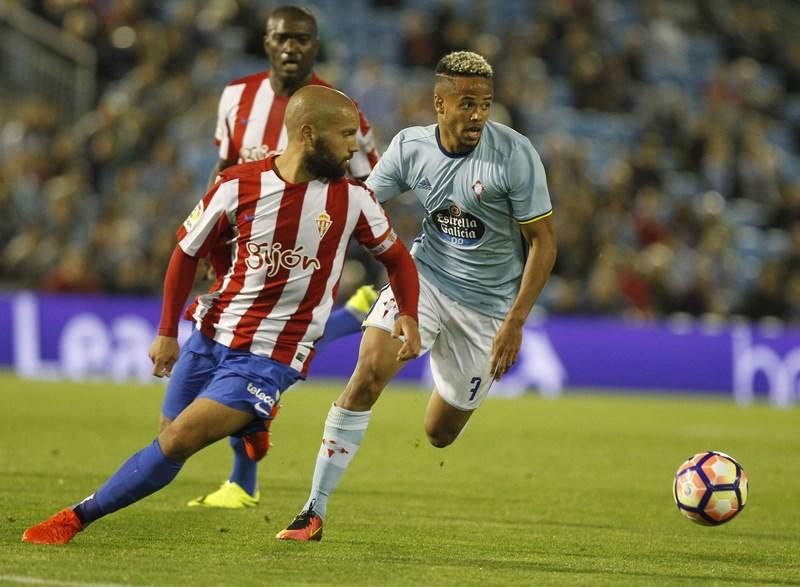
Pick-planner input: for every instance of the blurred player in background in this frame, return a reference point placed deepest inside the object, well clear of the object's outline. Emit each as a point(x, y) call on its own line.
point(250, 127)
point(288, 219)
point(486, 250)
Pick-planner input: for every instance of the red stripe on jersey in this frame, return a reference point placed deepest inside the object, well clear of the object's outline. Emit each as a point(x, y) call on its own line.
point(286, 229)
point(316, 81)
point(372, 154)
point(372, 157)
point(274, 126)
point(248, 197)
point(336, 205)
point(362, 122)
point(243, 111)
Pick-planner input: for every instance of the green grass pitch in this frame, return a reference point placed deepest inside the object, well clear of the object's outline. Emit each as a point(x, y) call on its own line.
point(569, 492)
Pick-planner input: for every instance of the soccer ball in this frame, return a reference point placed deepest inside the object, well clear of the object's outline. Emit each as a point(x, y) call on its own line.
point(710, 488)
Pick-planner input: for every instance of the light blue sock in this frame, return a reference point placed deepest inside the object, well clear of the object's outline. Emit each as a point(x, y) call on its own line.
point(245, 471)
point(340, 323)
point(344, 431)
point(144, 473)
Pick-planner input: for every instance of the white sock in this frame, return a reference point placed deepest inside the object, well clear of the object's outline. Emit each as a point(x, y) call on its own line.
point(344, 431)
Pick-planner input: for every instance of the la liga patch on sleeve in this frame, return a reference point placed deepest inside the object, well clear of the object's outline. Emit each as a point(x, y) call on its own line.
point(194, 216)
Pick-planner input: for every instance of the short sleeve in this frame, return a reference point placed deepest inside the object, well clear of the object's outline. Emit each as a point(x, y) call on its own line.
point(386, 180)
point(209, 220)
point(527, 182)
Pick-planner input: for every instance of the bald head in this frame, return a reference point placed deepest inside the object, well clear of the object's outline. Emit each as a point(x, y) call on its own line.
point(319, 107)
point(321, 124)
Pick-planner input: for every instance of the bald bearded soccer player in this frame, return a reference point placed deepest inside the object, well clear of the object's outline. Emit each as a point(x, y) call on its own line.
point(288, 219)
point(251, 126)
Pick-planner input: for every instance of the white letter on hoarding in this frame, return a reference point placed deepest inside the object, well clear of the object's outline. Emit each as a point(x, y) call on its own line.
point(129, 359)
point(748, 360)
point(84, 347)
point(27, 350)
point(25, 319)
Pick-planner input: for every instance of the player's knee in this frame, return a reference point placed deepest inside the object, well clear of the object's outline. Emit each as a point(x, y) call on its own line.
point(364, 388)
point(179, 442)
point(440, 437)
point(163, 422)
point(371, 384)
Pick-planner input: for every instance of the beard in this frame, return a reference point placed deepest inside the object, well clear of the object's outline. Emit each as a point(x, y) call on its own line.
point(321, 162)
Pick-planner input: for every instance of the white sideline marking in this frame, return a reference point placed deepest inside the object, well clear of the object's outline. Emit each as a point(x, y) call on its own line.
point(24, 580)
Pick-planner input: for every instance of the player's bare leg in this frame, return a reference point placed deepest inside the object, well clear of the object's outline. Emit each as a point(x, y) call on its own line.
point(163, 422)
point(230, 495)
point(345, 427)
point(202, 423)
point(229, 492)
point(443, 422)
point(377, 364)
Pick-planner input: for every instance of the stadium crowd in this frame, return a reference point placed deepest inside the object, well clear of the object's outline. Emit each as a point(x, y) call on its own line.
point(670, 133)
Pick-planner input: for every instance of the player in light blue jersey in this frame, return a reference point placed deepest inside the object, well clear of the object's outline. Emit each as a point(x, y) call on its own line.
point(485, 252)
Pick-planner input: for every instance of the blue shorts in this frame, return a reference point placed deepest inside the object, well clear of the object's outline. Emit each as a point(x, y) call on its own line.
point(237, 379)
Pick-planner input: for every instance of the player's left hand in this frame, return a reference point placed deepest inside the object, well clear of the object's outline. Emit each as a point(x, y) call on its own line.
point(505, 347)
point(406, 329)
point(164, 352)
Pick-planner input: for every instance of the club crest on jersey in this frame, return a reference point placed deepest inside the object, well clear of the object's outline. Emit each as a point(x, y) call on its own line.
point(275, 258)
point(194, 216)
point(323, 223)
point(477, 187)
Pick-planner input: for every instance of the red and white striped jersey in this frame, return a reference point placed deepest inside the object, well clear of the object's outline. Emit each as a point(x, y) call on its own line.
point(250, 124)
point(287, 246)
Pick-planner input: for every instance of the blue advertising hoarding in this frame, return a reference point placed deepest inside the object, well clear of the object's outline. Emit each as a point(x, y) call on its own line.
point(96, 337)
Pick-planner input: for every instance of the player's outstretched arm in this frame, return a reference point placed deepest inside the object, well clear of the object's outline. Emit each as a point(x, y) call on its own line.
point(178, 284)
point(541, 258)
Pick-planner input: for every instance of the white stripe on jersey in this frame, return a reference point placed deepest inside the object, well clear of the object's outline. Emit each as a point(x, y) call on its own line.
point(203, 219)
point(253, 138)
point(229, 101)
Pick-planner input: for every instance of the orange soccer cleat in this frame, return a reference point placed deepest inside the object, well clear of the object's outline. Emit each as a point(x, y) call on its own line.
point(57, 529)
point(305, 527)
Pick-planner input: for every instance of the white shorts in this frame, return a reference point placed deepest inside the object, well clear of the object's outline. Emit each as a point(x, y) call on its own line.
point(458, 338)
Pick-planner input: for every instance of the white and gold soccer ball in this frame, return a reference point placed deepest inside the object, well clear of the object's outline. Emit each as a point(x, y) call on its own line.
point(710, 488)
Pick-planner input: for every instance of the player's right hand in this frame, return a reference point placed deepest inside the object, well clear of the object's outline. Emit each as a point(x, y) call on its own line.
point(164, 352)
point(406, 329)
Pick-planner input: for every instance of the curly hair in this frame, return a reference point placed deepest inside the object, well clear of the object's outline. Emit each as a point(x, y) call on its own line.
point(464, 64)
